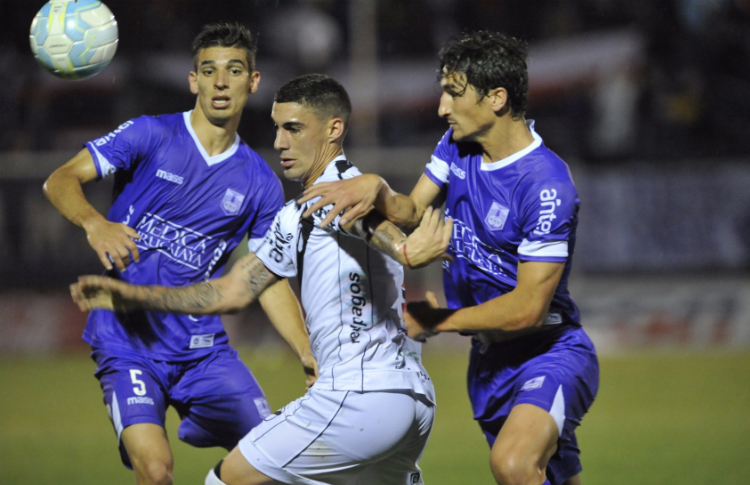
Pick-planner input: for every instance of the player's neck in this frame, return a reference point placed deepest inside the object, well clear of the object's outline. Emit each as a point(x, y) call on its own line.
point(215, 139)
point(331, 151)
point(506, 137)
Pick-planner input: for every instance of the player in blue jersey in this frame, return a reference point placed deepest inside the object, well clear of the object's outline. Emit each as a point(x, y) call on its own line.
point(533, 371)
point(187, 190)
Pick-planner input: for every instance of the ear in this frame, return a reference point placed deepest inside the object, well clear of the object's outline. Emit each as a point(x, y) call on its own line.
point(254, 82)
point(193, 80)
point(498, 99)
point(336, 130)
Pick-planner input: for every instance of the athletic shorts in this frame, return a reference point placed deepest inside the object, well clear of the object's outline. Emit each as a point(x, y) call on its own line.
point(343, 437)
point(217, 397)
point(557, 371)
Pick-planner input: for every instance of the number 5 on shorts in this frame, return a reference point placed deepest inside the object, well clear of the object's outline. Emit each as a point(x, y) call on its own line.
point(140, 389)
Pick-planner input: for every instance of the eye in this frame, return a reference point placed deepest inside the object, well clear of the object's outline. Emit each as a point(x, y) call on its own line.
point(236, 71)
point(207, 72)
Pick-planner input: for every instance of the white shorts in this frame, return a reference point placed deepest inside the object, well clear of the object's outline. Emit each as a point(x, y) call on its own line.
point(343, 437)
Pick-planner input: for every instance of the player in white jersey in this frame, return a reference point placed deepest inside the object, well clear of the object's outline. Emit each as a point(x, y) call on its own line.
point(368, 416)
point(533, 371)
point(188, 189)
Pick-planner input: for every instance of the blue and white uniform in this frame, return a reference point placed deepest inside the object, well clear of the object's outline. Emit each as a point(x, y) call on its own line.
point(369, 414)
point(521, 208)
point(190, 211)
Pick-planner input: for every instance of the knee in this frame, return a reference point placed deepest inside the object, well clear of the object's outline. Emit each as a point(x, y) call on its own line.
point(516, 469)
point(153, 472)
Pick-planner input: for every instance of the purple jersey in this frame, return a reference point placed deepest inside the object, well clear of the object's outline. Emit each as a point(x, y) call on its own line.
point(190, 210)
point(521, 208)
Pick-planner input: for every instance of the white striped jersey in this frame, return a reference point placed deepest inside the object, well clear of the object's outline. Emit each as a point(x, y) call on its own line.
point(352, 296)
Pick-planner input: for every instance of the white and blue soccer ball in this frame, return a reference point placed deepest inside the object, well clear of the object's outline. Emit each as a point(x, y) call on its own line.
point(74, 39)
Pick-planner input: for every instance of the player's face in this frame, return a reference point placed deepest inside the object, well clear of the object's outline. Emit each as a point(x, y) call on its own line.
point(302, 141)
point(462, 108)
point(222, 82)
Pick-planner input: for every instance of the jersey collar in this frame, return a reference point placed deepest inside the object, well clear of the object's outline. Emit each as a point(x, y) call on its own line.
point(488, 167)
point(335, 167)
point(216, 158)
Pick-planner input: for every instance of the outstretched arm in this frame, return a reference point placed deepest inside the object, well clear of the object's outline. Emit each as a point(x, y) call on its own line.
point(64, 190)
point(283, 309)
point(424, 245)
point(228, 294)
point(368, 191)
point(514, 313)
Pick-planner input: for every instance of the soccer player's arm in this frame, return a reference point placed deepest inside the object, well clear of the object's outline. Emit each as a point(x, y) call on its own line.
point(427, 243)
point(283, 310)
point(365, 192)
point(518, 311)
point(247, 279)
point(64, 189)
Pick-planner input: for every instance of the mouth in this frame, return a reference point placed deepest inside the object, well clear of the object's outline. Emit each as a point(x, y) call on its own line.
point(220, 102)
point(287, 162)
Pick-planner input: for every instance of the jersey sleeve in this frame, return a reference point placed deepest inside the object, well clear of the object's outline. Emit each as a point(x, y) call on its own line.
point(122, 148)
point(438, 169)
point(270, 201)
point(278, 251)
point(549, 211)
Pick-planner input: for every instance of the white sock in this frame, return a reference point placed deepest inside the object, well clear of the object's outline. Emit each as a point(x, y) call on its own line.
point(212, 479)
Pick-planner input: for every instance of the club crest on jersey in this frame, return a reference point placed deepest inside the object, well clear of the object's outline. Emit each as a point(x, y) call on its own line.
point(232, 202)
point(496, 216)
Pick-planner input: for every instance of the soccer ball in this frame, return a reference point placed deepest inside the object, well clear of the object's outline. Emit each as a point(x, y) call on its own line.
point(74, 39)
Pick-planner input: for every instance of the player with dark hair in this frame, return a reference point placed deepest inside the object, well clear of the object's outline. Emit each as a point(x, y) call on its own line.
point(368, 416)
point(533, 371)
point(187, 190)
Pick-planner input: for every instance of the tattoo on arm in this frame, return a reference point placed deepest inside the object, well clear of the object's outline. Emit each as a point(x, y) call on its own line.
point(209, 297)
point(201, 298)
point(388, 239)
point(258, 278)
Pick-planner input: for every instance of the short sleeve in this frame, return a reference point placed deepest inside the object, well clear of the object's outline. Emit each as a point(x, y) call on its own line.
point(123, 147)
point(549, 214)
point(278, 251)
point(438, 169)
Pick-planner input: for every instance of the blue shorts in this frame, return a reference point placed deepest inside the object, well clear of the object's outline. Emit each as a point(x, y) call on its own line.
point(217, 397)
point(556, 370)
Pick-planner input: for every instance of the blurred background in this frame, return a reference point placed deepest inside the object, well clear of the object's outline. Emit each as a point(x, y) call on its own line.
point(647, 100)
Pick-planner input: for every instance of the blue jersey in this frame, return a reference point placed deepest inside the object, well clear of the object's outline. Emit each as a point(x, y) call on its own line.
point(190, 210)
point(521, 208)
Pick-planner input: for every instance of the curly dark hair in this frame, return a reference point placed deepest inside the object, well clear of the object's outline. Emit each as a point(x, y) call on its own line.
point(489, 60)
point(225, 35)
point(320, 93)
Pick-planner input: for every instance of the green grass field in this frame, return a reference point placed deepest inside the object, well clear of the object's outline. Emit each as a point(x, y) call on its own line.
point(660, 418)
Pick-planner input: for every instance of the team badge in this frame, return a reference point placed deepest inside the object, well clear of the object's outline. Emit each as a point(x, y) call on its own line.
point(496, 216)
point(232, 202)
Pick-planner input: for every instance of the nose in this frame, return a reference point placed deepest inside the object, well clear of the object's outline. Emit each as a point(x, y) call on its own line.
point(221, 79)
point(279, 143)
point(444, 109)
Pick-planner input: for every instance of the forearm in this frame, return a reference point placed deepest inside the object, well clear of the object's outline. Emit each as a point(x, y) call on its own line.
point(285, 314)
point(399, 209)
point(514, 312)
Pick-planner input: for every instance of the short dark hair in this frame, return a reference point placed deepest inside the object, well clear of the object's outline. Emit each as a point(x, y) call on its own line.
point(322, 94)
point(489, 60)
point(225, 35)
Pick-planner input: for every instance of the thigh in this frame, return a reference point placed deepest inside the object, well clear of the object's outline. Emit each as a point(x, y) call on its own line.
point(561, 380)
point(219, 401)
point(133, 390)
point(335, 437)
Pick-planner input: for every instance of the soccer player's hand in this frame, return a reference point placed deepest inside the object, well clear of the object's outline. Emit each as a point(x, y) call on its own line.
point(430, 240)
point(421, 317)
point(92, 292)
point(358, 194)
point(310, 366)
point(113, 240)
